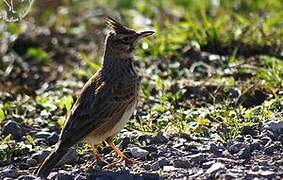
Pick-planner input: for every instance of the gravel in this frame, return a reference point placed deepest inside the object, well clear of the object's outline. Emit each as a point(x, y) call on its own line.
point(246, 157)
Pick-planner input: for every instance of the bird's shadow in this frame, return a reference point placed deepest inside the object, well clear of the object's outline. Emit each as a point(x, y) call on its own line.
point(122, 175)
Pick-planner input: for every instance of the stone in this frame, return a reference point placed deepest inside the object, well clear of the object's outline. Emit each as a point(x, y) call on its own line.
point(159, 138)
point(245, 153)
point(42, 135)
point(155, 166)
point(26, 177)
point(31, 162)
point(235, 148)
point(9, 172)
point(181, 163)
point(274, 126)
point(70, 157)
point(207, 164)
point(269, 150)
point(145, 139)
point(138, 152)
point(196, 158)
point(14, 128)
point(215, 167)
point(53, 138)
point(216, 150)
point(256, 145)
point(64, 175)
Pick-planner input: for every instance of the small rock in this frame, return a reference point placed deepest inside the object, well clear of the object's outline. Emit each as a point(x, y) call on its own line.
point(266, 140)
point(42, 135)
point(9, 172)
point(168, 168)
point(150, 148)
point(53, 138)
point(269, 150)
point(125, 142)
point(215, 149)
point(15, 129)
point(245, 153)
point(70, 157)
point(208, 164)
point(280, 138)
point(145, 139)
point(159, 138)
point(274, 126)
point(267, 173)
point(64, 175)
point(235, 148)
point(255, 146)
point(138, 152)
point(26, 177)
point(80, 177)
point(215, 167)
point(155, 166)
point(163, 162)
point(196, 158)
point(181, 163)
point(31, 162)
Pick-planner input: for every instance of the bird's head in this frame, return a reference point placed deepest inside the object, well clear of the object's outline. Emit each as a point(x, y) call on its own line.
point(122, 40)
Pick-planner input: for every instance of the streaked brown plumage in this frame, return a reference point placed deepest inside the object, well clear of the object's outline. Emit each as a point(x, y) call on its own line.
point(106, 101)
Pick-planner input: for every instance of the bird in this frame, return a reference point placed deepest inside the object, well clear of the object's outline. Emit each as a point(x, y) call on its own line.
point(107, 100)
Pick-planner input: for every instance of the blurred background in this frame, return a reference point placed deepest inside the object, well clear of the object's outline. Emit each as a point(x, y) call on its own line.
point(213, 68)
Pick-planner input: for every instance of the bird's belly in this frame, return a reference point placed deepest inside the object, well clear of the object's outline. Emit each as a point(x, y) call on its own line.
point(96, 138)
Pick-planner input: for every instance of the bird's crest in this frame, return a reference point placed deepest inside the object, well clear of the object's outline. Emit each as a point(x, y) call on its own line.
point(117, 27)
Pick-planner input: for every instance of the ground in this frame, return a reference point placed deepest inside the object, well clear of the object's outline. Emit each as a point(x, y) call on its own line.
point(211, 104)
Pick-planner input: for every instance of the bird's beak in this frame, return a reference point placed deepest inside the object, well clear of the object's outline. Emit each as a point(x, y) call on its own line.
point(144, 34)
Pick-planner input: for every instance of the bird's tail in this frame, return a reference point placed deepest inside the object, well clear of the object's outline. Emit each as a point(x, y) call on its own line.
point(50, 162)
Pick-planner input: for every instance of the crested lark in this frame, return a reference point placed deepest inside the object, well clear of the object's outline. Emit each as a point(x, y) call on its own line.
point(106, 101)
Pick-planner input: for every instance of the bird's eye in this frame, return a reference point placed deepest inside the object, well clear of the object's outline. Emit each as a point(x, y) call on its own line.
point(125, 38)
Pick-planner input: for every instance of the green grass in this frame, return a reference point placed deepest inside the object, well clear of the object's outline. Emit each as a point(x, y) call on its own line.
point(243, 37)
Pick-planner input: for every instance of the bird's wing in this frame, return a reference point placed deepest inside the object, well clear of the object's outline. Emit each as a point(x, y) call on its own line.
point(99, 101)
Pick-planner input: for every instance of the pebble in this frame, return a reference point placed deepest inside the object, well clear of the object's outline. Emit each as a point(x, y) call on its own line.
point(168, 168)
point(14, 128)
point(256, 145)
point(70, 157)
point(138, 152)
point(42, 135)
point(145, 139)
point(125, 142)
point(31, 162)
point(215, 149)
point(53, 138)
point(26, 177)
point(155, 166)
point(215, 167)
point(64, 175)
point(9, 172)
point(196, 158)
point(245, 153)
point(80, 177)
point(208, 164)
point(181, 163)
point(159, 138)
point(235, 148)
point(280, 138)
point(274, 126)
point(269, 150)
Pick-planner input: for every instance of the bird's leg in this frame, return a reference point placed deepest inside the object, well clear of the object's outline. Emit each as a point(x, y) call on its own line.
point(95, 153)
point(122, 156)
point(97, 157)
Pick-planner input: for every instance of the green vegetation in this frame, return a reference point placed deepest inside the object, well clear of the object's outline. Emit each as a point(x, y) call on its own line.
point(214, 68)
